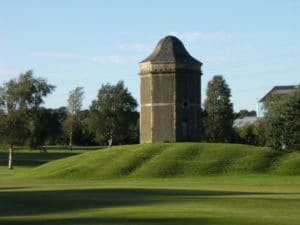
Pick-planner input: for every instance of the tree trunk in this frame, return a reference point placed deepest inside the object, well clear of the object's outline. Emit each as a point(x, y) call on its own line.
point(10, 157)
point(110, 141)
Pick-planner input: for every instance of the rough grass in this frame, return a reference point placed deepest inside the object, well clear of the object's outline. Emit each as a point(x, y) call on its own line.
point(171, 160)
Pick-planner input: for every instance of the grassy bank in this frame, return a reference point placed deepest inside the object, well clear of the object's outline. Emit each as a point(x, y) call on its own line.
point(171, 160)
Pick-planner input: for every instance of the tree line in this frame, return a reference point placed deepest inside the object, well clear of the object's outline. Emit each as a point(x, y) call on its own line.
point(279, 128)
point(112, 117)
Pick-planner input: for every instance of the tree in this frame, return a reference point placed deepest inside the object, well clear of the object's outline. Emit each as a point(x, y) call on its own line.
point(59, 115)
point(218, 120)
point(13, 130)
point(282, 121)
point(44, 126)
point(253, 134)
point(19, 98)
point(74, 107)
point(113, 116)
point(85, 136)
point(243, 113)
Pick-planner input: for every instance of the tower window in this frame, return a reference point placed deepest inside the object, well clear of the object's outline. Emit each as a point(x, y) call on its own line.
point(184, 129)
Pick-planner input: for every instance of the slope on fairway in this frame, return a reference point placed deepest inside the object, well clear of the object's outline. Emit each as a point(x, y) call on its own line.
point(171, 160)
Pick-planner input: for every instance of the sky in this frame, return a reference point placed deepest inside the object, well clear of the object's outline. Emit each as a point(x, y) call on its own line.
point(254, 44)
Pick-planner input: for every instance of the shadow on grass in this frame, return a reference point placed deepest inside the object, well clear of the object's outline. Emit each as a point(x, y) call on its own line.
point(111, 220)
point(18, 203)
point(11, 188)
point(33, 159)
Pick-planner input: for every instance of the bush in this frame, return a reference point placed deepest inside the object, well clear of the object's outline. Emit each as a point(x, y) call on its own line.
point(252, 134)
point(283, 122)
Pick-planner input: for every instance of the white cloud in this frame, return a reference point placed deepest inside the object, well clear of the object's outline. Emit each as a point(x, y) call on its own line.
point(102, 59)
point(204, 36)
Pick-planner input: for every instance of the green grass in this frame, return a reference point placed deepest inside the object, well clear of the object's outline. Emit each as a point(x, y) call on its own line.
point(160, 184)
point(171, 160)
point(218, 200)
point(30, 158)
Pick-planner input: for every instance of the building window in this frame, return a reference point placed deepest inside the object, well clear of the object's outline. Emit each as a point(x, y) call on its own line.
point(184, 129)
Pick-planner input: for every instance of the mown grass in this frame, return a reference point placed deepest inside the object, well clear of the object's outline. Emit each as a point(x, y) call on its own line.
point(171, 160)
point(160, 184)
point(217, 200)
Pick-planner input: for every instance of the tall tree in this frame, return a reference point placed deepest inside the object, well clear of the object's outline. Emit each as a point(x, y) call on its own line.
point(18, 99)
point(218, 120)
point(74, 107)
point(113, 115)
point(282, 121)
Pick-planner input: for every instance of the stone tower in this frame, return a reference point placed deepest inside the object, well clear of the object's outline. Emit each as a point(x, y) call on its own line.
point(170, 94)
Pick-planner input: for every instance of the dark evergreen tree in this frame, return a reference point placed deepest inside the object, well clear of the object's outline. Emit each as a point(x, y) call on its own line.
point(218, 120)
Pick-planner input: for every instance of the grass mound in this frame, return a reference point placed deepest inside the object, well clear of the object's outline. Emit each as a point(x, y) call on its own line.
point(170, 160)
point(288, 164)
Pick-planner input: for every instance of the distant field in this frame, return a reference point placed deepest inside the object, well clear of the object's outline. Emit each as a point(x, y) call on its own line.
point(161, 184)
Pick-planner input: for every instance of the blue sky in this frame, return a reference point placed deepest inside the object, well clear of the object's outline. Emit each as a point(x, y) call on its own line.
point(253, 44)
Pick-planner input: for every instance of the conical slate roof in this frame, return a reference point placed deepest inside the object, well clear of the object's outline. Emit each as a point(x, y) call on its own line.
point(170, 49)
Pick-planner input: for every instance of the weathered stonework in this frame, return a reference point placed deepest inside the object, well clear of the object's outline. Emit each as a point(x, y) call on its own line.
point(170, 92)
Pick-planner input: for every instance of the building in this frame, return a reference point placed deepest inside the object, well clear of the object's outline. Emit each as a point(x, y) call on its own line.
point(247, 120)
point(279, 90)
point(170, 94)
point(275, 91)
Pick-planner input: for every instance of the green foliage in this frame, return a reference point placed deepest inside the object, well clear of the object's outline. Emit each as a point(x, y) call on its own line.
point(75, 100)
point(25, 92)
point(218, 119)
point(113, 115)
point(19, 103)
point(243, 113)
point(252, 134)
point(246, 134)
point(14, 127)
point(283, 121)
point(167, 160)
point(57, 118)
point(72, 123)
point(44, 127)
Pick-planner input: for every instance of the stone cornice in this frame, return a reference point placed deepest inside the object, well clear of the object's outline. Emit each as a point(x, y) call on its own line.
point(165, 68)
